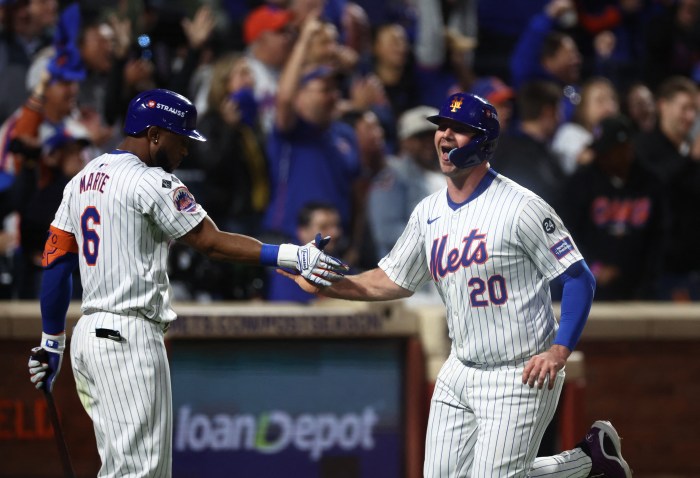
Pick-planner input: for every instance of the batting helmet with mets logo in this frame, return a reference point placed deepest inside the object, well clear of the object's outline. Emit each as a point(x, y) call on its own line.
point(163, 108)
point(480, 116)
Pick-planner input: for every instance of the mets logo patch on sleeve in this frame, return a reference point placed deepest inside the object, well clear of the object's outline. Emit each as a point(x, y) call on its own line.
point(562, 248)
point(184, 200)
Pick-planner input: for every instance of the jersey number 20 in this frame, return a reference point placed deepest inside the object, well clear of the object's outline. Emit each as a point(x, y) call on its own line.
point(91, 240)
point(497, 293)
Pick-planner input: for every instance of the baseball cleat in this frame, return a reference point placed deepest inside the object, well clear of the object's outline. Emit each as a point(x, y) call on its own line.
point(606, 451)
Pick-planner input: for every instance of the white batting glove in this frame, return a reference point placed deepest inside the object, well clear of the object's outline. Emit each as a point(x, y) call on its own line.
point(314, 265)
point(45, 361)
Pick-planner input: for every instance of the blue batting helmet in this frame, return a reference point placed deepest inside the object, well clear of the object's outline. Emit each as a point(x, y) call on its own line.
point(478, 114)
point(163, 108)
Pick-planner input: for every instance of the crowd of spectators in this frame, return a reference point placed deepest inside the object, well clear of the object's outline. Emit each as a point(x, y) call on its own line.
point(315, 113)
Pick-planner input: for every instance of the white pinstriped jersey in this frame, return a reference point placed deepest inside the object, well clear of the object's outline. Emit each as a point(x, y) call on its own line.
point(491, 259)
point(124, 214)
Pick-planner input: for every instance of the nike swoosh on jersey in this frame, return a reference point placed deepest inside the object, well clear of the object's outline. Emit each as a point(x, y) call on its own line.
point(430, 221)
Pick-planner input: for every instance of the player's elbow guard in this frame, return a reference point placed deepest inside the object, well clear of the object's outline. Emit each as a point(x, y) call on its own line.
point(60, 248)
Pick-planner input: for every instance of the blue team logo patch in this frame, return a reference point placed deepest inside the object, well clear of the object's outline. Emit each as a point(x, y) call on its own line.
point(184, 200)
point(562, 248)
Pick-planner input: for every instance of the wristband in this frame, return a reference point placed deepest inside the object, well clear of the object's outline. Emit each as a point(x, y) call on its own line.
point(268, 254)
point(53, 343)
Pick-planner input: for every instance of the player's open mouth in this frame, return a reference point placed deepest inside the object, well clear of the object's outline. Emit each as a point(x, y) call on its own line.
point(445, 150)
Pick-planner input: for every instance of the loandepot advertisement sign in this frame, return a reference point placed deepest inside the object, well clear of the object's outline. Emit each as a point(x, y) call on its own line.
point(273, 432)
point(304, 408)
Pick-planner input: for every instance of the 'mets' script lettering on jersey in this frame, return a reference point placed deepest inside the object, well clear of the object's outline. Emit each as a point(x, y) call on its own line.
point(473, 252)
point(94, 181)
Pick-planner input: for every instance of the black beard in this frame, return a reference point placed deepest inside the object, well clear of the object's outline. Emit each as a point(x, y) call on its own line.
point(162, 161)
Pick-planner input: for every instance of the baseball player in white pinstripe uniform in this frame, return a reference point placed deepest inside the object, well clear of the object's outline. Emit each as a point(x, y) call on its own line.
point(116, 221)
point(492, 247)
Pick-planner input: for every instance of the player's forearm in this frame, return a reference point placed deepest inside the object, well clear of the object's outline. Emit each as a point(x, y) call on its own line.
point(577, 296)
point(235, 248)
point(373, 285)
point(207, 239)
point(56, 291)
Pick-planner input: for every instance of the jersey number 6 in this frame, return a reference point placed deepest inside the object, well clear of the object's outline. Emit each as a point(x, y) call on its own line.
point(91, 240)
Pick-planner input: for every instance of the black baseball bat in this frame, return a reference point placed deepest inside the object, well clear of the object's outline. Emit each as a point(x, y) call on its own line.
point(42, 356)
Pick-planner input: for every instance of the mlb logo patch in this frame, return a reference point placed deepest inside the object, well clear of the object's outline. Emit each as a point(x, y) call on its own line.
point(184, 200)
point(562, 248)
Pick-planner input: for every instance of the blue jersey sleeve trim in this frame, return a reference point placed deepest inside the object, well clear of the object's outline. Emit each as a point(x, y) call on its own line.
point(577, 296)
point(56, 290)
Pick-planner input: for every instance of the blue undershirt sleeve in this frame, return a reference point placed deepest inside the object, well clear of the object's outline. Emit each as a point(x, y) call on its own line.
point(577, 296)
point(56, 290)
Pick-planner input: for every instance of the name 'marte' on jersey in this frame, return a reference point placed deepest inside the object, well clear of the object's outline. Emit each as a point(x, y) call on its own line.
point(124, 214)
point(491, 259)
point(93, 182)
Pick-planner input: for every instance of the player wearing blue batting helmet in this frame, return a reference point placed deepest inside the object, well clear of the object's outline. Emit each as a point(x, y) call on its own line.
point(163, 108)
point(480, 117)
